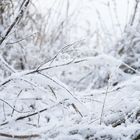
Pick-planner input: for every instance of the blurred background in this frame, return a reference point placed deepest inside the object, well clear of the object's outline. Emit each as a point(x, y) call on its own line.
point(84, 18)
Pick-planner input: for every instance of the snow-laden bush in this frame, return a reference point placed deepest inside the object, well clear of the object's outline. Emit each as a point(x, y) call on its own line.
point(32, 40)
point(128, 50)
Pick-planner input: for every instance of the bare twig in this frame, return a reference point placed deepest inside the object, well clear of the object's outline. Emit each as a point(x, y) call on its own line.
point(26, 116)
point(62, 86)
point(15, 102)
point(13, 107)
point(31, 114)
point(60, 51)
point(7, 135)
point(20, 40)
point(102, 112)
point(52, 91)
point(135, 11)
point(76, 109)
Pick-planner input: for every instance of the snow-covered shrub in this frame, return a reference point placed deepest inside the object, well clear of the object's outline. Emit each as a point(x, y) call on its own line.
point(128, 50)
point(35, 39)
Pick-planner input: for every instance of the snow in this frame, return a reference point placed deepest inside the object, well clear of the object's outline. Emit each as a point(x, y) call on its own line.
point(61, 121)
point(71, 89)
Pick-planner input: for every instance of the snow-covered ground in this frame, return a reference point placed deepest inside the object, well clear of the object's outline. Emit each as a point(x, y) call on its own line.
point(86, 91)
point(50, 109)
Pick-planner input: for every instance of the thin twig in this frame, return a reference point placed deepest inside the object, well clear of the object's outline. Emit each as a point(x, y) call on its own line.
point(60, 51)
point(13, 107)
point(52, 91)
point(76, 109)
point(32, 114)
point(7, 135)
point(135, 11)
point(59, 85)
point(102, 112)
point(15, 102)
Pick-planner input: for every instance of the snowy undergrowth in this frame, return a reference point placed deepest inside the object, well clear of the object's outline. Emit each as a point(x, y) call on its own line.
point(43, 102)
point(80, 94)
